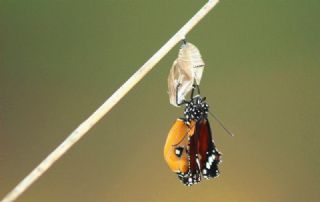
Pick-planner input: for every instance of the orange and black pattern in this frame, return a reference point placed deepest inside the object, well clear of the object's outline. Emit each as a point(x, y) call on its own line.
point(189, 150)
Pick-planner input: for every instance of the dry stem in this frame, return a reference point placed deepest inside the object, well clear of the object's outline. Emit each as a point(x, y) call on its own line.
point(81, 130)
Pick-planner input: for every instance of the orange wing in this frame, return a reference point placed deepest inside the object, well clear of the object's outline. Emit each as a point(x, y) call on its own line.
point(176, 146)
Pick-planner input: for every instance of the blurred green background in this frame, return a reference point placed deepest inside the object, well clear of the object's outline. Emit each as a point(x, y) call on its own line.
point(59, 60)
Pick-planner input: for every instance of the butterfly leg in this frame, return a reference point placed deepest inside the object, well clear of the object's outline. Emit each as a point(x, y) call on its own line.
point(194, 86)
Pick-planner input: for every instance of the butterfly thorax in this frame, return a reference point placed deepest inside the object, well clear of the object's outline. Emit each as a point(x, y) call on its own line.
point(196, 109)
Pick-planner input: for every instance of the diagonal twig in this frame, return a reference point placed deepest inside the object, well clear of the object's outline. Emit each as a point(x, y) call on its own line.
point(86, 125)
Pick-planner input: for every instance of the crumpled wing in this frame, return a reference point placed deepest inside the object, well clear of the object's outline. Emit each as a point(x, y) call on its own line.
point(210, 156)
point(177, 140)
point(186, 70)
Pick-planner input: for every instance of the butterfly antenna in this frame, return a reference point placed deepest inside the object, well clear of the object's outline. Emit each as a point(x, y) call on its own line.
point(221, 124)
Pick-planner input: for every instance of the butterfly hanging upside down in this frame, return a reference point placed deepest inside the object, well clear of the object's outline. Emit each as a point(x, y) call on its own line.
point(189, 149)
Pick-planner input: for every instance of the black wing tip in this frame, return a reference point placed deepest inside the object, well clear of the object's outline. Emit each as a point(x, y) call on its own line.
point(210, 168)
point(213, 172)
point(189, 179)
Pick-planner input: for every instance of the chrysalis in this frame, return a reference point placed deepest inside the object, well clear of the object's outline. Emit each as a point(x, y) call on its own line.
point(186, 70)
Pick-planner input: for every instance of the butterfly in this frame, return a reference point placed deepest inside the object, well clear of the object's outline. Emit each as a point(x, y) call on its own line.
point(189, 150)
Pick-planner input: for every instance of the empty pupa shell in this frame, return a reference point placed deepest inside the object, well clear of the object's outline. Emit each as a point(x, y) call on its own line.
point(186, 70)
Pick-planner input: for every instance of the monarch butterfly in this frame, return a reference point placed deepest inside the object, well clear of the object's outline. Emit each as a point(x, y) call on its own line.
point(189, 150)
point(186, 70)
